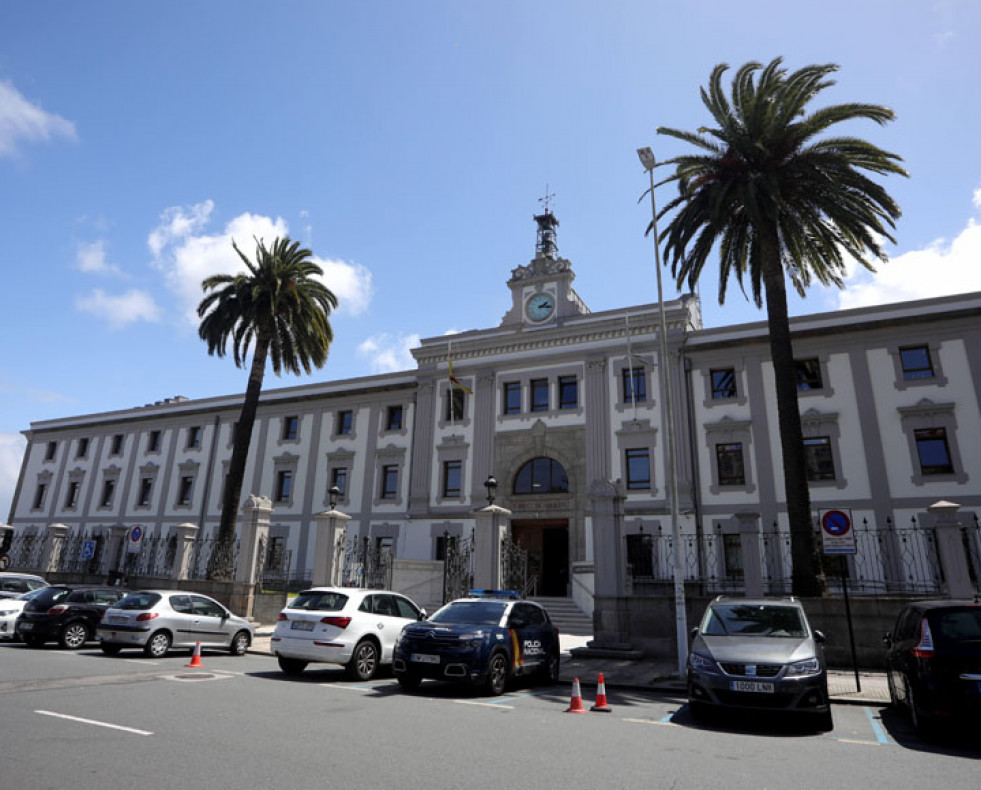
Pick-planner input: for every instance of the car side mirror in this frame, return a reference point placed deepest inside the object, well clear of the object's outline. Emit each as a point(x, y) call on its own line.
point(693, 633)
point(887, 639)
point(423, 615)
point(820, 638)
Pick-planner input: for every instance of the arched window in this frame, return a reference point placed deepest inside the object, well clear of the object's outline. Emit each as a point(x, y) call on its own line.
point(541, 476)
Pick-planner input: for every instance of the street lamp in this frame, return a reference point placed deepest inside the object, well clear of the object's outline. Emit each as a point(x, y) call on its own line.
point(333, 494)
point(681, 621)
point(491, 485)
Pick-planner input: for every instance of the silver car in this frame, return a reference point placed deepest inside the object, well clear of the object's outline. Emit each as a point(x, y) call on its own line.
point(157, 620)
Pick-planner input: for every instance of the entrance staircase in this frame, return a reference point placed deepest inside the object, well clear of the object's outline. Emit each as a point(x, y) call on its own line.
point(569, 618)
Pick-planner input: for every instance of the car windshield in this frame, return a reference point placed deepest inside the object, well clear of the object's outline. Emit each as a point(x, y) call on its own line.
point(318, 601)
point(32, 594)
point(957, 625)
point(140, 601)
point(471, 613)
point(737, 619)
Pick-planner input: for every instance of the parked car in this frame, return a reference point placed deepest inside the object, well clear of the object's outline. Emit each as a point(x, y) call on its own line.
point(10, 609)
point(340, 625)
point(65, 613)
point(13, 585)
point(933, 661)
point(483, 640)
point(758, 654)
point(157, 620)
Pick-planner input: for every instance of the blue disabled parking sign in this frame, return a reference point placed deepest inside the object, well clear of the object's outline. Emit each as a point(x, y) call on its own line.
point(836, 532)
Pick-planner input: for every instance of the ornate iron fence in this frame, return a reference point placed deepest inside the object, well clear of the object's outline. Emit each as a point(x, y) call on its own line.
point(458, 553)
point(25, 551)
point(514, 568)
point(365, 563)
point(201, 557)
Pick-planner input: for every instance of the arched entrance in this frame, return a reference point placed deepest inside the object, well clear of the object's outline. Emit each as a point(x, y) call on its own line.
point(544, 538)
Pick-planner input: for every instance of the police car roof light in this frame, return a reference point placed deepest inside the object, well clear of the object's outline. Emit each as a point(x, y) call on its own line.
point(512, 594)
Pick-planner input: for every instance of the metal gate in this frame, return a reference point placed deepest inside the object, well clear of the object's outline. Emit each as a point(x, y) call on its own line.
point(457, 566)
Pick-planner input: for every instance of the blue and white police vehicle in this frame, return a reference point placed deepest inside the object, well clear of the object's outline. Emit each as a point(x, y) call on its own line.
point(482, 640)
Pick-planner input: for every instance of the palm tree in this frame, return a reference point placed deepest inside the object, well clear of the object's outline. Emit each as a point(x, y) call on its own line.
point(284, 310)
point(781, 205)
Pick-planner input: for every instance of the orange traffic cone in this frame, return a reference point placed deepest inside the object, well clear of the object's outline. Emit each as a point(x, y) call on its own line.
point(575, 706)
point(195, 657)
point(601, 704)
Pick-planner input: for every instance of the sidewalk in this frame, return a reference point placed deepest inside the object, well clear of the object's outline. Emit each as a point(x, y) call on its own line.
point(661, 674)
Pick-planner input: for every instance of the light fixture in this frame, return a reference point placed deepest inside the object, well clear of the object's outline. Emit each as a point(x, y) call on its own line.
point(333, 494)
point(491, 485)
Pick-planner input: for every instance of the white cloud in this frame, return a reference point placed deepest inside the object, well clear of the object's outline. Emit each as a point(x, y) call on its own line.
point(119, 311)
point(187, 255)
point(91, 258)
point(976, 199)
point(12, 446)
point(21, 121)
point(388, 354)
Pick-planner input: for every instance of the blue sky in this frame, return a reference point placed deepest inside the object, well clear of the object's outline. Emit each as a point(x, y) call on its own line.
point(406, 144)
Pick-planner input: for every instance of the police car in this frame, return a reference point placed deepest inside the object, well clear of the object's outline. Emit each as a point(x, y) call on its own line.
point(483, 640)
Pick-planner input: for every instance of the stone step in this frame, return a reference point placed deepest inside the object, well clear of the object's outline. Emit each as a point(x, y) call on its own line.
point(567, 616)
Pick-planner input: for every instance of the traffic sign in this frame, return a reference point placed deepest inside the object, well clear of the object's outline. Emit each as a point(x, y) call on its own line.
point(836, 532)
point(135, 537)
point(88, 549)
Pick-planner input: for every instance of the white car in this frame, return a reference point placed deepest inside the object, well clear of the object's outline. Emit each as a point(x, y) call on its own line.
point(342, 625)
point(13, 585)
point(10, 609)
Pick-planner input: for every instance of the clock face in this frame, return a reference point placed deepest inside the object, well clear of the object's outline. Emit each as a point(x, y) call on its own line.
point(540, 306)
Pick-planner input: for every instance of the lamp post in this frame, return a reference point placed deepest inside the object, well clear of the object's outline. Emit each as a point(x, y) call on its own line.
point(491, 485)
point(681, 621)
point(333, 495)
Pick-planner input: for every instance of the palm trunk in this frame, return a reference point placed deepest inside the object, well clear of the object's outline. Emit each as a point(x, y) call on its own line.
point(221, 563)
point(808, 576)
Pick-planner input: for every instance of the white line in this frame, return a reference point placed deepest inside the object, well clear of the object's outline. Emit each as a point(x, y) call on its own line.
point(92, 721)
point(651, 721)
point(483, 704)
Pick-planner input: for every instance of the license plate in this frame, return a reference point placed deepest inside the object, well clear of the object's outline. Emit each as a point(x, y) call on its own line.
point(301, 625)
point(116, 618)
point(424, 658)
point(26, 626)
point(751, 685)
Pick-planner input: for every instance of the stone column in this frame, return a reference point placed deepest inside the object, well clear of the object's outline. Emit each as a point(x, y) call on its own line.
point(493, 524)
point(57, 533)
point(606, 500)
point(328, 549)
point(253, 532)
point(186, 535)
point(114, 553)
point(950, 548)
point(748, 525)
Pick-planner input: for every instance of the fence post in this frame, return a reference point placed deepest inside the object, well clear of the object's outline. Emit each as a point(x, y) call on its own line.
point(53, 545)
point(328, 549)
point(254, 528)
point(186, 535)
point(750, 544)
point(950, 548)
point(492, 524)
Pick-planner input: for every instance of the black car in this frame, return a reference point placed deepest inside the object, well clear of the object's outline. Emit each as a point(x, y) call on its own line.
point(483, 640)
point(67, 614)
point(933, 660)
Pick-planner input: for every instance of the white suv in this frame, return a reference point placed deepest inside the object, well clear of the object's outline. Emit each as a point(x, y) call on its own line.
point(342, 625)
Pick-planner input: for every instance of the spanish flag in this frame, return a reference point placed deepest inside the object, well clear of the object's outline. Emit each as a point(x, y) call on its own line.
point(455, 381)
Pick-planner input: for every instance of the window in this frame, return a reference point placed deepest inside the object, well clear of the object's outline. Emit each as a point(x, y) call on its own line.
point(732, 555)
point(338, 477)
point(284, 485)
point(345, 423)
point(153, 443)
point(49, 452)
point(638, 468)
point(117, 445)
point(145, 492)
point(541, 476)
point(729, 460)
point(108, 489)
point(455, 404)
point(933, 451)
point(634, 385)
point(818, 459)
point(539, 394)
point(390, 481)
point(184, 491)
point(193, 437)
point(568, 392)
point(723, 384)
point(452, 478)
point(71, 499)
point(291, 428)
point(916, 363)
point(83, 448)
point(808, 374)
point(39, 495)
point(394, 421)
point(512, 397)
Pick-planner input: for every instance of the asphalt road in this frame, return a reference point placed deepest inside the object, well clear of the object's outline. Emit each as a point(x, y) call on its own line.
point(84, 720)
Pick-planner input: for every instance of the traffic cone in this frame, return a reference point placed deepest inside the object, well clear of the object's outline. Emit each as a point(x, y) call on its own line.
point(601, 704)
point(575, 706)
point(195, 657)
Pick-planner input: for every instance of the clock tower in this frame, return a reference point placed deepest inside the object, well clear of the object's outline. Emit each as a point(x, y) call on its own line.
point(541, 292)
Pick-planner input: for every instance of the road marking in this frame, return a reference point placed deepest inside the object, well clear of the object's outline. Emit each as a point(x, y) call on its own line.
point(665, 722)
point(862, 743)
point(92, 721)
point(880, 734)
point(483, 704)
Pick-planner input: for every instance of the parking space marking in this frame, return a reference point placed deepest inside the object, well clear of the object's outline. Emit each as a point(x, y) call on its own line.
point(484, 704)
point(94, 722)
point(860, 743)
point(880, 734)
point(666, 722)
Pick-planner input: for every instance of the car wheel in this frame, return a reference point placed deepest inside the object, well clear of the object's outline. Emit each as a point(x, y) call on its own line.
point(497, 674)
point(699, 712)
point(825, 722)
point(919, 718)
point(291, 666)
point(110, 650)
point(364, 661)
point(409, 680)
point(240, 644)
point(73, 636)
point(550, 672)
point(32, 641)
point(157, 645)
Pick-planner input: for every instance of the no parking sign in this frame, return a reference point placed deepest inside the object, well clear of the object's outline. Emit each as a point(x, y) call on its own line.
point(836, 530)
point(134, 540)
